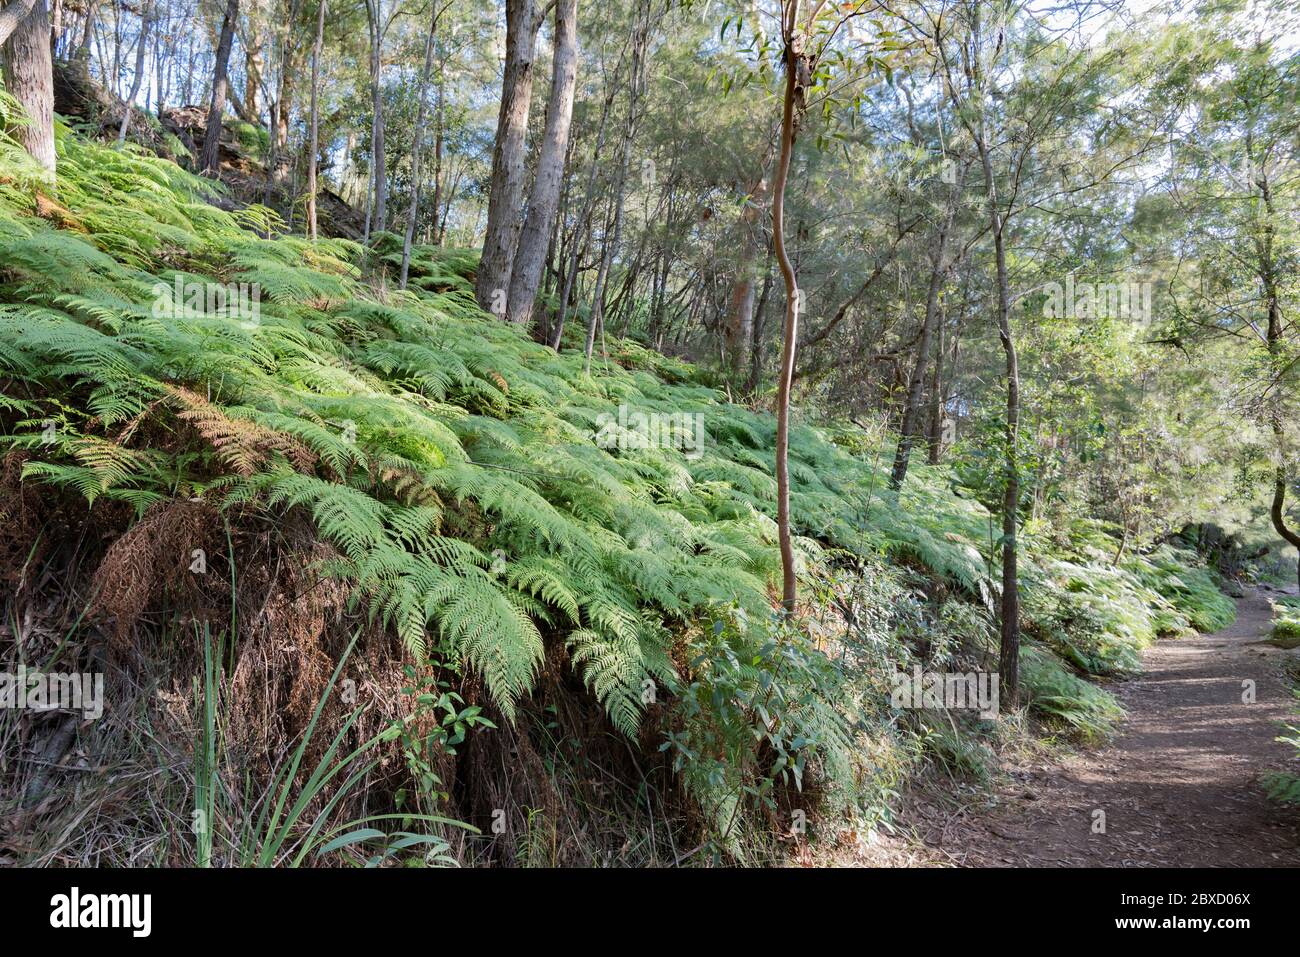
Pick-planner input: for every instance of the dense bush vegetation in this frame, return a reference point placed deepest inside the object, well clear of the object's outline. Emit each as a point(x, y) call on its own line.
point(491, 504)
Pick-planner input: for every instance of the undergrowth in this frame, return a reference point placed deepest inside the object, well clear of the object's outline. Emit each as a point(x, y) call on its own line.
point(1286, 622)
point(495, 509)
point(1284, 785)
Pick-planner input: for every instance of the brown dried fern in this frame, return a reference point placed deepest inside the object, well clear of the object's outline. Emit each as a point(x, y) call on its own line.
point(167, 551)
point(242, 445)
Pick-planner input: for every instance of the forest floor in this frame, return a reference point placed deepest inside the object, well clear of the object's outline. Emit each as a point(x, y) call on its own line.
point(1179, 785)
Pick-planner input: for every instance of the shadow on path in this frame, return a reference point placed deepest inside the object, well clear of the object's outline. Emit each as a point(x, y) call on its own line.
point(1180, 785)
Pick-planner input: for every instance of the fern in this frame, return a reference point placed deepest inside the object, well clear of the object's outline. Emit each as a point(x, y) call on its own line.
point(450, 460)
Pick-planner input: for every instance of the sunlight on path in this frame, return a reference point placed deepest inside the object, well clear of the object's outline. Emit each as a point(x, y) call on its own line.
point(1179, 787)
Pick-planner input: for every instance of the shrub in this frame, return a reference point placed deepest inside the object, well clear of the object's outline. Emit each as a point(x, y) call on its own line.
point(1094, 616)
point(1286, 626)
point(1178, 575)
point(1056, 695)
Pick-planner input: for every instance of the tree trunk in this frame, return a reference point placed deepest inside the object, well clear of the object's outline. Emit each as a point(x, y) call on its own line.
point(760, 312)
point(916, 386)
point(543, 201)
point(582, 225)
point(253, 63)
point(160, 62)
point(11, 15)
point(596, 321)
point(29, 77)
point(1278, 513)
point(1267, 270)
point(211, 160)
point(283, 106)
point(1009, 659)
point(314, 149)
point(738, 331)
point(187, 89)
point(1009, 651)
point(934, 427)
point(112, 79)
point(87, 30)
point(938, 406)
point(796, 65)
point(506, 191)
point(378, 159)
point(141, 47)
point(452, 187)
point(436, 203)
point(417, 149)
point(370, 201)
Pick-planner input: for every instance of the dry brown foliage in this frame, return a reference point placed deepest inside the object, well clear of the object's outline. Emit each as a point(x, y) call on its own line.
point(20, 520)
point(160, 556)
point(240, 444)
point(283, 662)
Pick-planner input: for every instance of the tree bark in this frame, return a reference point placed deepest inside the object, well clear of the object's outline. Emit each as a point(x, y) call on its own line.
point(1009, 657)
point(142, 45)
point(934, 427)
point(738, 331)
point(760, 311)
point(796, 66)
point(436, 203)
point(595, 318)
point(506, 190)
point(596, 321)
point(378, 159)
point(283, 106)
point(11, 15)
point(452, 187)
point(29, 76)
point(1009, 651)
point(82, 53)
point(161, 63)
point(583, 224)
point(211, 161)
point(916, 386)
point(942, 378)
point(314, 150)
point(543, 201)
point(253, 63)
point(1267, 270)
point(418, 149)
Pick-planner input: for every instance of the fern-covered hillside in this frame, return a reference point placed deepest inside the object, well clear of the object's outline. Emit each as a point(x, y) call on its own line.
point(337, 455)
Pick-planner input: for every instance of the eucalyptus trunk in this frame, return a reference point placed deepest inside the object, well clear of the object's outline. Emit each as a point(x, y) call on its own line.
point(211, 158)
point(916, 384)
point(797, 69)
point(544, 200)
point(314, 148)
point(417, 151)
point(506, 189)
point(141, 49)
point(29, 77)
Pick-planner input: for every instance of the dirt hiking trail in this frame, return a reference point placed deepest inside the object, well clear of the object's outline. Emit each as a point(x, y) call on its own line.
point(1179, 785)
